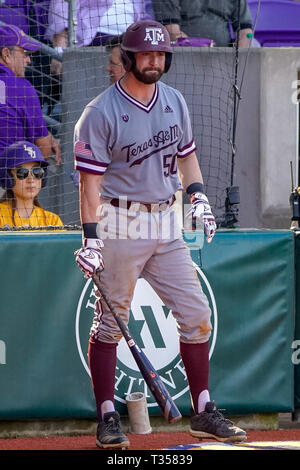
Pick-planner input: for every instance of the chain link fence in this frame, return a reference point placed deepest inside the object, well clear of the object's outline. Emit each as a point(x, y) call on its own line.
point(70, 69)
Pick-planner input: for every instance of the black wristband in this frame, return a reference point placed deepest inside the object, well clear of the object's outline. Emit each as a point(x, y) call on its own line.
point(195, 188)
point(90, 230)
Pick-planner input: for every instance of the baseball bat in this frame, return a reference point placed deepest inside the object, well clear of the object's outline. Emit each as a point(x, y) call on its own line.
point(151, 377)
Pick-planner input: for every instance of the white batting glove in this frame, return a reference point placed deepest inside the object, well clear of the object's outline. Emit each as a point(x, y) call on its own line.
point(201, 210)
point(89, 257)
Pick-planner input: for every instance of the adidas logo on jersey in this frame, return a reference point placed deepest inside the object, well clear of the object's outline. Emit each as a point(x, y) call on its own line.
point(168, 109)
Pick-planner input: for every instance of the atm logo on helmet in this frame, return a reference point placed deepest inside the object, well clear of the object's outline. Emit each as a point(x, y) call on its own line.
point(154, 35)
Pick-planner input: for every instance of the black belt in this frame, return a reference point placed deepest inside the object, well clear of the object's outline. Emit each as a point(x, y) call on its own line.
point(147, 206)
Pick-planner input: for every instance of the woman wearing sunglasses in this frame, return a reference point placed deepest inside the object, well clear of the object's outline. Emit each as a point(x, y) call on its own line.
point(23, 172)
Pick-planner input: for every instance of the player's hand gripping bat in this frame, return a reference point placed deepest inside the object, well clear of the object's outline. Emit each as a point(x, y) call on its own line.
point(151, 377)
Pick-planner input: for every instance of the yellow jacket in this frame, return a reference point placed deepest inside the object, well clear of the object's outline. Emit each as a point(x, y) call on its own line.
point(38, 218)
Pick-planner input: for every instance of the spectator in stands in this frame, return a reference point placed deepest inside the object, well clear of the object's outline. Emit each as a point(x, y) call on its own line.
point(15, 12)
point(211, 19)
point(115, 66)
point(21, 115)
point(23, 172)
point(30, 16)
point(97, 20)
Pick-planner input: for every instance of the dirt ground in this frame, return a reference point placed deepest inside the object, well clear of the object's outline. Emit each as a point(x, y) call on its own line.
point(288, 431)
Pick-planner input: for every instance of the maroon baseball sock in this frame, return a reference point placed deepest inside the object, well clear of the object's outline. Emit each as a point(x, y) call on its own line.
point(102, 362)
point(195, 358)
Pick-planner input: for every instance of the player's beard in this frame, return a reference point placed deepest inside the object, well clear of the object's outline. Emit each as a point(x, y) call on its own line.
point(147, 78)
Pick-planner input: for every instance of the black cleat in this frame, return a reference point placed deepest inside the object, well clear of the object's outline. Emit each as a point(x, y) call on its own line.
point(109, 432)
point(212, 424)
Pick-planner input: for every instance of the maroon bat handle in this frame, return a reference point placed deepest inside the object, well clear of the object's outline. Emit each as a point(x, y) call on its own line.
point(151, 377)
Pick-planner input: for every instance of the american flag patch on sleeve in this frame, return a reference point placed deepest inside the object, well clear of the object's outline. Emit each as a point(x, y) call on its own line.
point(84, 159)
point(82, 148)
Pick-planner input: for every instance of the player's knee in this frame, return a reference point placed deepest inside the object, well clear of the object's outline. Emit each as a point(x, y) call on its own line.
point(205, 328)
point(194, 332)
point(111, 336)
point(205, 331)
point(117, 337)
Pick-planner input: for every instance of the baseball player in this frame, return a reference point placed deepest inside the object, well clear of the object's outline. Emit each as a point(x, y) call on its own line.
point(134, 149)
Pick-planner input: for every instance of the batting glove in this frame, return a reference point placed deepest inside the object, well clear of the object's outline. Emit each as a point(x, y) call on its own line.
point(89, 257)
point(201, 210)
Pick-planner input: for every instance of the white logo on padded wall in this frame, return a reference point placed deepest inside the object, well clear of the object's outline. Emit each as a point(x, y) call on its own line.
point(296, 353)
point(154, 329)
point(2, 352)
point(154, 35)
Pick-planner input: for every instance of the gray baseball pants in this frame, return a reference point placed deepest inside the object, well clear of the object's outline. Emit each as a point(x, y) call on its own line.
point(145, 244)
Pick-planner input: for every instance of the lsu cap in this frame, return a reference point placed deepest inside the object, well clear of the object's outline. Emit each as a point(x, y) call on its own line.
point(11, 35)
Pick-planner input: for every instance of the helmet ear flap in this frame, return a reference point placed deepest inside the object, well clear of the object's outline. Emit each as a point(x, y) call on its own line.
point(168, 61)
point(128, 60)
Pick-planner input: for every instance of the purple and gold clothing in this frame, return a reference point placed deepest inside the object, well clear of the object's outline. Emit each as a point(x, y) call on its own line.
point(21, 116)
point(38, 218)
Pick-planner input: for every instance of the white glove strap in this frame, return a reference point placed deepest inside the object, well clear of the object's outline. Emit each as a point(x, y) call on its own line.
point(95, 243)
point(200, 197)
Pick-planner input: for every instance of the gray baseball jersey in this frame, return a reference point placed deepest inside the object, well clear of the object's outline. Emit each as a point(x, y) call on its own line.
point(135, 147)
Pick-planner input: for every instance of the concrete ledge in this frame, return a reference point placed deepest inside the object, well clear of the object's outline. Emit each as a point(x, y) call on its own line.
point(76, 427)
point(257, 422)
point(44, 428)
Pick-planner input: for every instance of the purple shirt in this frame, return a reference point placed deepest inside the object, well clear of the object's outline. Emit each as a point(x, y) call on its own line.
point(15, 12)
point(21, 116)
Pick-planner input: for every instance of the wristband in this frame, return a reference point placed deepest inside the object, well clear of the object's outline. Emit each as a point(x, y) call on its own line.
point(90, 230)
point(195, 188)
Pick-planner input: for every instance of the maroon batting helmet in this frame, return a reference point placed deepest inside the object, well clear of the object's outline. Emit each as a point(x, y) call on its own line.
point(145, 36)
